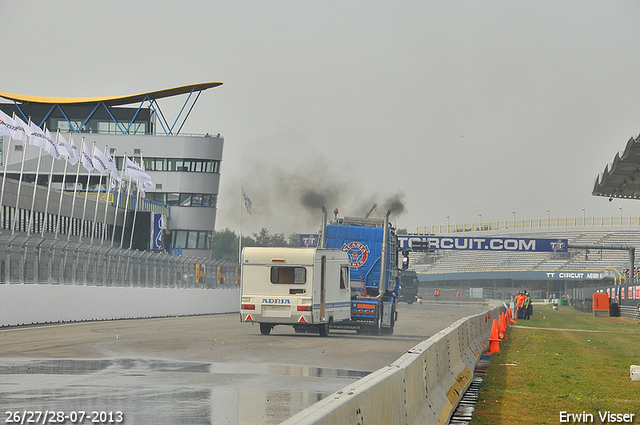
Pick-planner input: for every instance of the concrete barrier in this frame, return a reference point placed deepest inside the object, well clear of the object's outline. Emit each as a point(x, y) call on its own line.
point(421, 387)
point(44, 303)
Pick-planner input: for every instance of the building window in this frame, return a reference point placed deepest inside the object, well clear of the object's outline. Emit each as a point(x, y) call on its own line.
point(184, 199)
point(192, 239)
point(176, 164)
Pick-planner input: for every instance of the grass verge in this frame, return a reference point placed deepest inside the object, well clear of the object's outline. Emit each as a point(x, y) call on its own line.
point(562, 361)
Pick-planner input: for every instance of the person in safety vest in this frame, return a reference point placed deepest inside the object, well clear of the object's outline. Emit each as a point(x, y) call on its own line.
point(526, 305)
point(519, 303)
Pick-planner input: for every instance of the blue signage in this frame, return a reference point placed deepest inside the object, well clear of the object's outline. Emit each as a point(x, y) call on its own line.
point(489, 244)
point(309, 240)
point(158, 232)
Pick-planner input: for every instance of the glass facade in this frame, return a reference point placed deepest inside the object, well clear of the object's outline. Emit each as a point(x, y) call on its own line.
point(191, 239)
point(175, 164)
point(100, 126)
point(184, 199)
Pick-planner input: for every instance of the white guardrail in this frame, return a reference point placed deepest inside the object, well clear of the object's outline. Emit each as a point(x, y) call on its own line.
point(423, 386)
point(24, 304)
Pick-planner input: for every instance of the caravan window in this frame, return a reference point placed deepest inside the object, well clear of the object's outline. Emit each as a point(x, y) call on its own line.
point(295, 275)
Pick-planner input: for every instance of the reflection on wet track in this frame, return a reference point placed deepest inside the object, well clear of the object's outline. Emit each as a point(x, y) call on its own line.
point(155, 391)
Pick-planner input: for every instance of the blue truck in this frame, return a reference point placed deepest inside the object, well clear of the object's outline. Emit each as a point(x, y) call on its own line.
point(372, 248)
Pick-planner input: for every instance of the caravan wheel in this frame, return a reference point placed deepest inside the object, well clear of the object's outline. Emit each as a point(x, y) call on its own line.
point(265, 328)
point(323, 329)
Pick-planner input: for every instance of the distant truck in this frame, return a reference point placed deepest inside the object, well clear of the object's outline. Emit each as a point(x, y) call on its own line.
point(307, 288)
point(372, 246)
point(408, 286)
point(350, 282)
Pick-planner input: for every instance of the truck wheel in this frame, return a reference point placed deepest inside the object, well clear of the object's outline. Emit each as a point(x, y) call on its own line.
point(389, 330)
point(265, 328)
point(323, 329)
point(377, 328)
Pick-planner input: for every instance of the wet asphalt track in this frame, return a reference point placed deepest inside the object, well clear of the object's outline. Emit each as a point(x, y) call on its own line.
point(194, 370)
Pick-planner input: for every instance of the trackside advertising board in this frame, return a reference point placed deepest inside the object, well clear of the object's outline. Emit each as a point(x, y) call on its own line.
point(488, 244)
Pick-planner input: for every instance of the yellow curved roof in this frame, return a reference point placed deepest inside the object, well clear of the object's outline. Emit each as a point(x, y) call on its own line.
point(109, 100)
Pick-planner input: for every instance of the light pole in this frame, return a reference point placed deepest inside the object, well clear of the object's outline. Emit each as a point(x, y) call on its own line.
point(548, 218)
point(621, 215)
point(584, 217)
point(480, 220)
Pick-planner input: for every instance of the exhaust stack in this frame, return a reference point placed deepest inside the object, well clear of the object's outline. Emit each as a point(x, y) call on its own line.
point(383, 256)
point(323, 239)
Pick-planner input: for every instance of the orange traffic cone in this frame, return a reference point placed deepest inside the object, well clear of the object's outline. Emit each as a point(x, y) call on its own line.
point(502, 328)
point(494, 346)
point(510, 316)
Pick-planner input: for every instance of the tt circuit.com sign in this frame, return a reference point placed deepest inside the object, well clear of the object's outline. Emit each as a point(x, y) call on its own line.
point(489, 244)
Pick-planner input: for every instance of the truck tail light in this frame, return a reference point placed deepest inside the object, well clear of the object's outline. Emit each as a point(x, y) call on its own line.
point(247, 306)
point(304, 308)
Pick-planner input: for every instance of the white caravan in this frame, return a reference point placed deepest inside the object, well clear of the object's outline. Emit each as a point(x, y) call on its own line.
point(307, 288)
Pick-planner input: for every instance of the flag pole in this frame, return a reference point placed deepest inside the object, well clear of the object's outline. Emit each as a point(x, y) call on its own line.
point(64, 182)
point(95, 212)
point(86, 195)
point(75, 191)
point(126, 205)
point(135, 211)
point(24, 153)
point(46, 204)
point(115, 214)
point(4, 177)
point(240, 237)
point(106, 201)
point(35, 188)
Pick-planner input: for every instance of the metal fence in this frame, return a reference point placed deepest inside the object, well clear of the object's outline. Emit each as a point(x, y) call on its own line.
point(540, 223)
point(35, 260)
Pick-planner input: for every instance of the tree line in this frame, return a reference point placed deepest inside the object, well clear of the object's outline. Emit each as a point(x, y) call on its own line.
point(224, 243)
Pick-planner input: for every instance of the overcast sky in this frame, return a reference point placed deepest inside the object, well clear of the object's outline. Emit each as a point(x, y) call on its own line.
point(449, 108)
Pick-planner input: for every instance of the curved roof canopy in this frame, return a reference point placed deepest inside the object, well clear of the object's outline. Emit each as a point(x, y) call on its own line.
point(621, 178)
point(91, 104)
point(110, 100)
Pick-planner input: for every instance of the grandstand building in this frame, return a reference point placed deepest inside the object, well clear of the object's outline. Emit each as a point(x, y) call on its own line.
point(501, 273)
point(184, 167)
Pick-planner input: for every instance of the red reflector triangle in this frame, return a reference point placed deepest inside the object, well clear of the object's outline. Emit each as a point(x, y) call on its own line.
point(248, 318)
point(301, 319)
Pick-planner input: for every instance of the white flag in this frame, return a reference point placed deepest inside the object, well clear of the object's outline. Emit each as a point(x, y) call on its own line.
point(85, 158)
point(111, 163)
point(115, 174)
point(115, 178)
point(247, 201)
point(100, 162)
point(21, 130)
point(38, 137)
point(134, 171)
point(52, 146)
point(68, 149)
point(6, 124)
point(144, 186)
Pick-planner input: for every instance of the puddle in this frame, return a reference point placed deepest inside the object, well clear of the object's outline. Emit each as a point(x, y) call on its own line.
point(153, 391)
